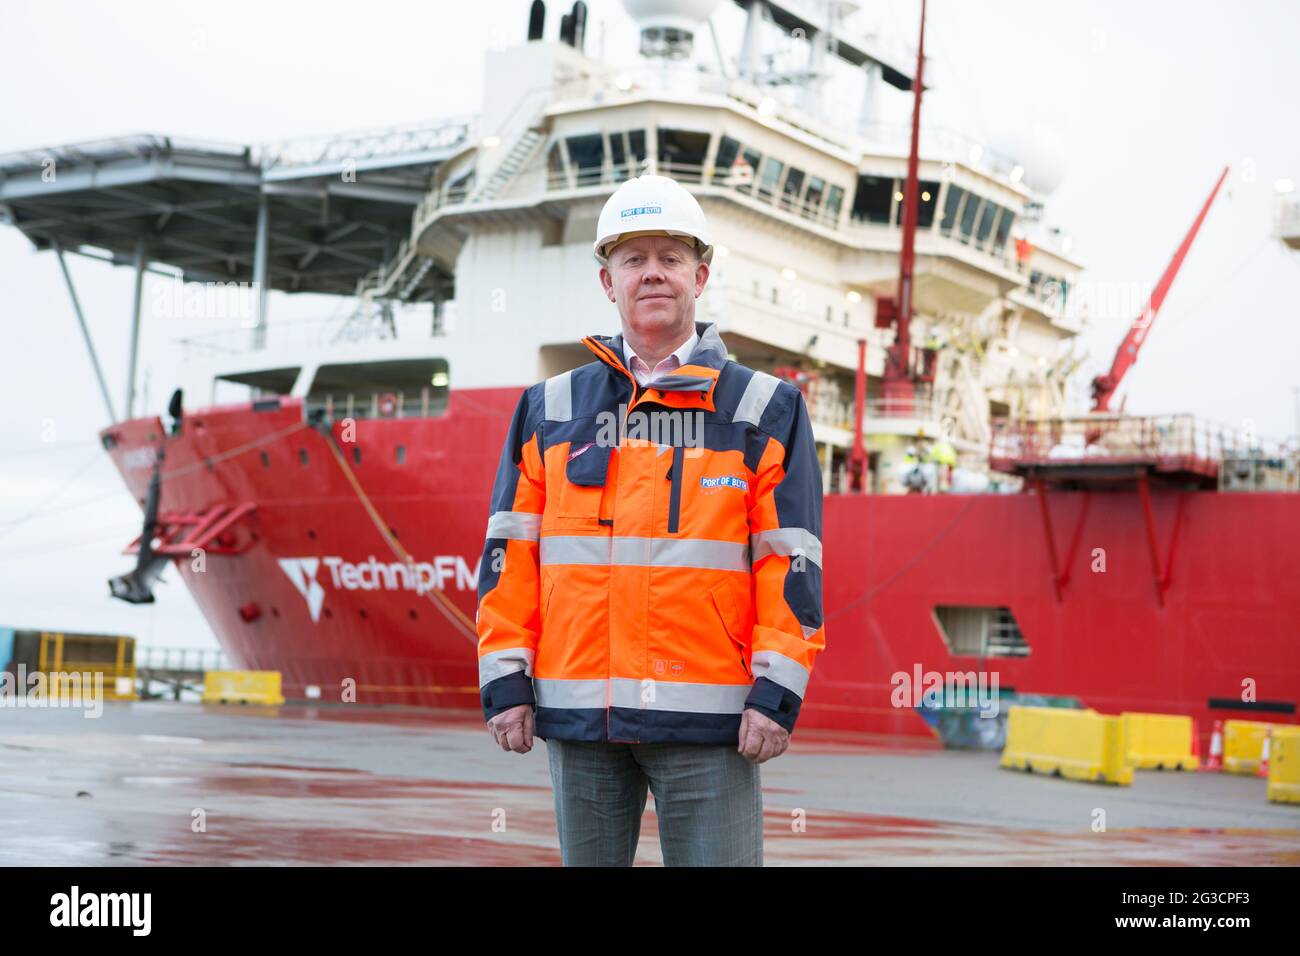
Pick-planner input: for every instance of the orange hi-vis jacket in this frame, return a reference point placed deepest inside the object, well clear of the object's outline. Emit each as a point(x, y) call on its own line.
point(653, 556)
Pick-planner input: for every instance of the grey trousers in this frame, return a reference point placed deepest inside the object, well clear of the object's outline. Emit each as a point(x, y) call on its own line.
point(708, 799)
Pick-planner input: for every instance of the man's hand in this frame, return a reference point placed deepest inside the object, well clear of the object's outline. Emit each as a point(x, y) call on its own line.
point(761, 737)
point(513, 728)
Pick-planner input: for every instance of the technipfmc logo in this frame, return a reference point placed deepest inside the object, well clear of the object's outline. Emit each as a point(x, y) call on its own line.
point(302, 572)
point(375, 575)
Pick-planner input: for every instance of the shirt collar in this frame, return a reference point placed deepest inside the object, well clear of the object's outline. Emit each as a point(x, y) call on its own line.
point(682, 353)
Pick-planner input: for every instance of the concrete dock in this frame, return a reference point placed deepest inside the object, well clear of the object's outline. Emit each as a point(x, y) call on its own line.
point(177, 783)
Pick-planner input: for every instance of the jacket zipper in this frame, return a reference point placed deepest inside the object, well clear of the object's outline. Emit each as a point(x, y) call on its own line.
point(675, 494)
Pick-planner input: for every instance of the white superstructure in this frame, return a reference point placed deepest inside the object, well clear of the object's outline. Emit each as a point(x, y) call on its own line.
point(804, 199)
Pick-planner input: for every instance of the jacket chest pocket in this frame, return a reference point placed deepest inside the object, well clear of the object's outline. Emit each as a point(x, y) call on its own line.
point(585, 475)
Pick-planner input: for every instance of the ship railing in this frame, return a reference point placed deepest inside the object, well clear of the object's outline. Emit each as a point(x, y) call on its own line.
point(425, 402)
point(694, 174)
point(1167, 442)
point(839, 414)
point(360, 146)
point(1263, 471)
point(182, 659)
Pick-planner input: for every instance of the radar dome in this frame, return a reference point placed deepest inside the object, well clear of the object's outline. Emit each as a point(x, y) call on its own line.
point(685, 15)
point(1040, 149)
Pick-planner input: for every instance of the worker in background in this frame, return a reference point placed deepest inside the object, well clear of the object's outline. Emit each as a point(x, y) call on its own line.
point(944, 458)
point(913, 474)
point(653, 611)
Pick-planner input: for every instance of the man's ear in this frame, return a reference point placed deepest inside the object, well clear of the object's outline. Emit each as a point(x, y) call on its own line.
point(607, 283)
point(701, 278)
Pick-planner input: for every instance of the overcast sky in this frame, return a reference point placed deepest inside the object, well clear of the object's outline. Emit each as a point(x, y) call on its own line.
point(1152, 99)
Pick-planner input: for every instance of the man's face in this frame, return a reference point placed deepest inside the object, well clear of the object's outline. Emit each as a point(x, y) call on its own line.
point(654, 281)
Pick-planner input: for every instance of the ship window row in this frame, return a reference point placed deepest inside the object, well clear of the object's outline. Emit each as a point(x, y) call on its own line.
point(593, 158)
point(772, 180)
point(612, 157)
point(975, 220)
point(695, 157)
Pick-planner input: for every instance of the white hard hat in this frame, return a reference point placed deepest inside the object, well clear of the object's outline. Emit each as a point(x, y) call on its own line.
point(655, 205)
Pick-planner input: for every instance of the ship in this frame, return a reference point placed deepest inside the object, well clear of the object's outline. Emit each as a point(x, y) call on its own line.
point(321, 487)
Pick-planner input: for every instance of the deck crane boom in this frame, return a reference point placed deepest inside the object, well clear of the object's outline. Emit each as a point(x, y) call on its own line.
point(1105, 386)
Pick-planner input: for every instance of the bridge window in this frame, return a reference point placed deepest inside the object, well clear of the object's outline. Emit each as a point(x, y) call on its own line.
point(682, 152)
point(770, 177)
point(728, 150)
point(968, 216)
point(925, 213)
point(873, 199)
point(987, 217)
point(816, 193)
point(626, 152)
point(793, 189)
point(1003, 230)
point(835, 202)
point(587, 153)
point(951, 206)
point(636, 144)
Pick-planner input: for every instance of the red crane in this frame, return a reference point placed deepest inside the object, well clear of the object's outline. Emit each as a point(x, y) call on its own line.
point(898, 384)
point(1104, 386)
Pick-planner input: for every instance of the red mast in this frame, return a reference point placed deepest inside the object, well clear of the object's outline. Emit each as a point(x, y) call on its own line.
point(1104, 386)
point(897, 385)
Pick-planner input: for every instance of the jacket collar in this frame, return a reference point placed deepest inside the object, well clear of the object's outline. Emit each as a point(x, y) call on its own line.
point(691, 385)
point(709, 351)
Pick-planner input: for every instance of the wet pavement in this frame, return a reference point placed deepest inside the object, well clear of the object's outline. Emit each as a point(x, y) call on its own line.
point(168, 783)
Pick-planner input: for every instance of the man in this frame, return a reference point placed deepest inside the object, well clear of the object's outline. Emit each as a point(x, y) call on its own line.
point(650, 590)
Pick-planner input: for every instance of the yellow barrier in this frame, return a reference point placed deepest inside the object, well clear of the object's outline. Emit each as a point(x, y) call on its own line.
point(1078, 744)
point(1284, 765)
point(1243, 744)
point(242, 687)
point(1159, 741)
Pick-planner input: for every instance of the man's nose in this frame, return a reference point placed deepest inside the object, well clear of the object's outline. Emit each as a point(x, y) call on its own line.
point(654, 272)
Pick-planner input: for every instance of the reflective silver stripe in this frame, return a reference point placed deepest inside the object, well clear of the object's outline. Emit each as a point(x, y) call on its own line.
point(646, 552)
point(566, 549)
point(784, 541)
point(559, 397)
point(651, 694)
point(500, 663)
point(779, 668)
point(570, 693)
point(758, 393)
point(522, 525)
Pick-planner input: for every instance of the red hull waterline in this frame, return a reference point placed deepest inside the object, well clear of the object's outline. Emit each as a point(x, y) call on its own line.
point(1228, 613)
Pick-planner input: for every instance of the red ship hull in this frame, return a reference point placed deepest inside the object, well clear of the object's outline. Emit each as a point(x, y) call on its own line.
point(1228, 613)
